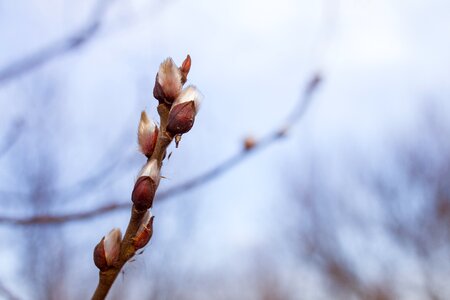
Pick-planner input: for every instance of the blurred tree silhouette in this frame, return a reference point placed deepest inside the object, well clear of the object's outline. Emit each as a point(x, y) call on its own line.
point(386, 234)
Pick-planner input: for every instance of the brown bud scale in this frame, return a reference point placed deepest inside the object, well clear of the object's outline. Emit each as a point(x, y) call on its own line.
point(143, 193)
point(185, 68)
point(99, 256)
point(150, 145)
point(144, 237)
point(181, 118)
point(158, 91)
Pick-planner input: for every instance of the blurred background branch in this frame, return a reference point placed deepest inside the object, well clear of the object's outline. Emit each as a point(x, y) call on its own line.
point(62, 47)
point(11, 136)
point(215, 172)
point(7, 293)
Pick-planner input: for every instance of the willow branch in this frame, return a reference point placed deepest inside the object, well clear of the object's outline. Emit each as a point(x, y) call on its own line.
point(127, 248)
point(215, 172)
point(72, 42)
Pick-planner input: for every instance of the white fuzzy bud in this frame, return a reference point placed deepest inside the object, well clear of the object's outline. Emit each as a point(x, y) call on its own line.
point(151, 169)
point(112, 246)
point(190, 93)
point(147, 135)
point(168, 82)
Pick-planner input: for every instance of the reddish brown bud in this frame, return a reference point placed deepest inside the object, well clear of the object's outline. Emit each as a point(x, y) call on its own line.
point(181, 118)
point(183, 111)
point(249, 143)
point(143, 193)
point(146, 185)
point(158, 92)
point(107, 251)
point(147, 135)
point(99, 256)
point(185, 67)
point(145, 231)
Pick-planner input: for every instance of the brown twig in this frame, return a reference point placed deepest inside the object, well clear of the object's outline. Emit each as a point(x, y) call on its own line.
point(58, 48)
point(127, 249)
point(197, 181)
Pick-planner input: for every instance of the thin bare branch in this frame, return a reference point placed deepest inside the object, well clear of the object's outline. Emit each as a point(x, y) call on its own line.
point(240, 156)
point(11, 136)
point(7, 293)
point(64, 218)
point(197, 181)
point(106, 170)
point(58, 48)
point(142, 199)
